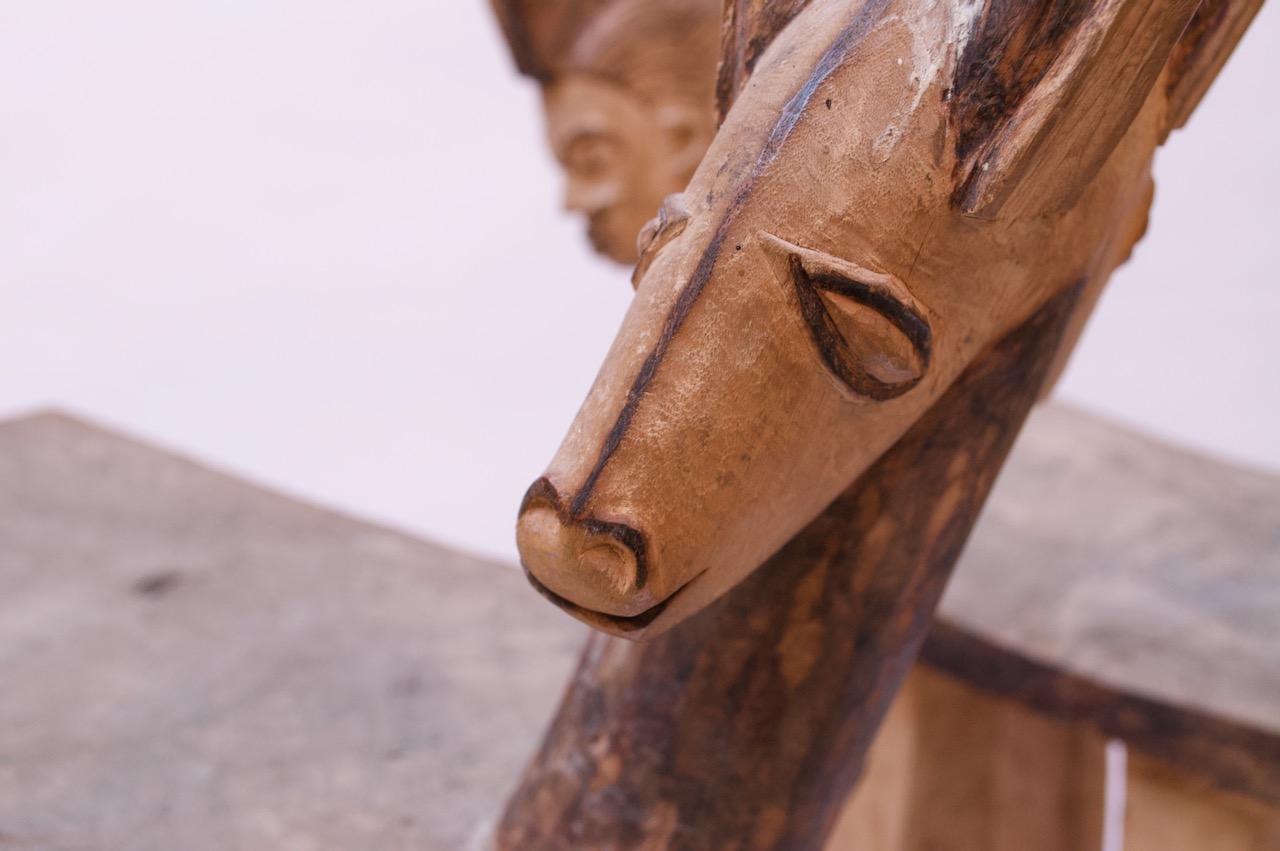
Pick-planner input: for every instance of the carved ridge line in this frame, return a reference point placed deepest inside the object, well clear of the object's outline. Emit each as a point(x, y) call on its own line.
point(835, 54)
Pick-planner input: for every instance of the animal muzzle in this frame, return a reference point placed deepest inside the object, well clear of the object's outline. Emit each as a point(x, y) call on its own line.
point(584, 564)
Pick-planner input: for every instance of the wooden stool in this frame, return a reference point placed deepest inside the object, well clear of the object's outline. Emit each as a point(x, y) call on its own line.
point(191, 662)
point(1116, 589)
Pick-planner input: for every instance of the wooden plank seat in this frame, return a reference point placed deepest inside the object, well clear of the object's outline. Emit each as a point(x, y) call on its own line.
point(189, 661)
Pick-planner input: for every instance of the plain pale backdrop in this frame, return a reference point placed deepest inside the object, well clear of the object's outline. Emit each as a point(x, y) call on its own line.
point(316, 243)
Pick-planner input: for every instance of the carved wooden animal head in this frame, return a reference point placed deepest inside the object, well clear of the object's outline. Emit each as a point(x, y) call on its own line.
point(900, 183)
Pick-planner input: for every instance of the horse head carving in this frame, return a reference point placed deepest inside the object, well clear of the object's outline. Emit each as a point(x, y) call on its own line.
point(899, 183)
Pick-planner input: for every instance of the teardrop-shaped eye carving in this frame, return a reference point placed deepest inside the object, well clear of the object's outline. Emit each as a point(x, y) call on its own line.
point(866, 327)
point(657, 232)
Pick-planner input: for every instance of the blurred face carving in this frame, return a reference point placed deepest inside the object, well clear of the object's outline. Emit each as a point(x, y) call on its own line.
point(621, 155)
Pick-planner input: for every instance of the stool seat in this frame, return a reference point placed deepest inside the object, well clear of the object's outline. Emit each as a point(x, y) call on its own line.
point(1120, 581)
point(190, 661)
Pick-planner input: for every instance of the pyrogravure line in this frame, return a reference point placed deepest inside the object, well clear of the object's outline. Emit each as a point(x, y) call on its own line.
point(831, 60)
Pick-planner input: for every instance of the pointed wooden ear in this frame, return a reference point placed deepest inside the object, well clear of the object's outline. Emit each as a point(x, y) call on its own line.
point(747, 28)
point(1103, 60)
point(1203, 49)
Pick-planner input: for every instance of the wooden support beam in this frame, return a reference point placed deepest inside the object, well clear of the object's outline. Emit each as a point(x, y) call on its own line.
point(956, 768)
point(1170, 809)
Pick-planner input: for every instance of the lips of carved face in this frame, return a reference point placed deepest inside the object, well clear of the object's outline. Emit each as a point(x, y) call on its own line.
point(587, 563)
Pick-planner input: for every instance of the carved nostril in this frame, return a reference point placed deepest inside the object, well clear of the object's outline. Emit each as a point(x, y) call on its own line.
point(609, 560)
point(594, 565)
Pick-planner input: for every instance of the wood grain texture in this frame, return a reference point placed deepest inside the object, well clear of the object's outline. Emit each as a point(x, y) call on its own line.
point(1204, 48)
point(749, 723)
point(694, 456)
point(190, 662)
point(232, 651)
point(747, 389)
point(878, 814)
point(1045, 92)
point(1171, 810)
point(749, 28)
point(957, 769)
point(1170, 646)
point(1229, 754)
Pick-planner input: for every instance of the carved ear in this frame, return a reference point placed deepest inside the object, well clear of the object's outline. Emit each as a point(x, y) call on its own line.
point(1103, 60)
point(748, 27)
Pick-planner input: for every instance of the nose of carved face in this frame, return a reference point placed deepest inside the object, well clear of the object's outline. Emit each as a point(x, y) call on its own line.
point(585, 563)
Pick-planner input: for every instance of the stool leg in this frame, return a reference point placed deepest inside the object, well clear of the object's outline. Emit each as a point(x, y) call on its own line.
point(1168, 809)
point(958, 769)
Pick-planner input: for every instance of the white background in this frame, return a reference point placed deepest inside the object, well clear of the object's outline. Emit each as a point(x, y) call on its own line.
point(314, 242)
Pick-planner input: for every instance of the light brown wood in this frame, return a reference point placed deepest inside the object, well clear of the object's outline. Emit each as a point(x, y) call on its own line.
point(776, 690)
point(627, 87)
point(1203, 49)
point(956, 768)
point(137, 576)
point(903, 195)
point(1172, 810)
point(879, 813)
point(843, 253)
point(749, 28)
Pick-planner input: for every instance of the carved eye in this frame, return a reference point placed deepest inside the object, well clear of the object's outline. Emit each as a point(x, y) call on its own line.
point(657, 232)
point(866, 327)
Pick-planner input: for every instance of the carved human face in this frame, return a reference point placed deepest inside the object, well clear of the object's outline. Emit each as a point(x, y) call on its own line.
point(621, 156)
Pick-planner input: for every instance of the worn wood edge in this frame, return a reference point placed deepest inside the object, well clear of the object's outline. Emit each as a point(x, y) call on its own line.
point(281, 494)
point(957, 768)
point(1210, 40)
point(1231, 756)
point(1170, 810)
point(1019, 165)
point(747, 29)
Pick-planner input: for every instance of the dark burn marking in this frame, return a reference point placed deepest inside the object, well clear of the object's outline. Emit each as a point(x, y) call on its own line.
point(1209, 39)
point(613, 624)
point(157, 584)
point(1210, 17)
point(834, 56)
point(831, 343)
point(831, 60)
point(1013, 45)
point(542, 492)
point(679, 312)
point(750, 27)
point(705, 704)
point(1235, 757)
